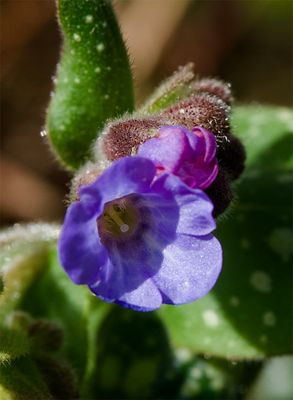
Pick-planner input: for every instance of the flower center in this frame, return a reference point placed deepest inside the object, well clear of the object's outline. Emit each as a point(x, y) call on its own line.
point(119, 219)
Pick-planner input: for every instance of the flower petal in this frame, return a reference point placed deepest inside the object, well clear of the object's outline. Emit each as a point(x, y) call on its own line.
point(207, 141)
point(146, 297)
point(168, 149)
point(80, 250)
point(190, 268)
point(209, 175)
point(124, 176)
point(127, 268)
point(193, 205)
point(188, 155)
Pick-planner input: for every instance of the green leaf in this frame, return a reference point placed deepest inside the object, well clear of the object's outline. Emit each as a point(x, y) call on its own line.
point(133, 358)
point(93, 81)
point(212, 378)
point(24, 254)
point(47, 303)
point(79, 314)
point(249, 314)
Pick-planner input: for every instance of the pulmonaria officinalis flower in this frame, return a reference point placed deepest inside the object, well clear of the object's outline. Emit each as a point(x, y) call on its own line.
point(141, 239)
point(189, 155)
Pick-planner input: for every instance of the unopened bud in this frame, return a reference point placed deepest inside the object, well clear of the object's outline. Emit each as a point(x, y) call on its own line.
point(220, 193)
point(85, 176)
point(215, 87)
point(231, 156)
point(204, 110)
point(46, 335)
point(59, 377)
point(122, 138)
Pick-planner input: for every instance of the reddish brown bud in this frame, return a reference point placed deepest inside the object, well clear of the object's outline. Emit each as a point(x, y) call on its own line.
point(220, 193)
point(122, 138)
point(231, 155)
point(205, 110)
point(46, 335)
point(85, 176)
point(216, 87)
point(59, 377)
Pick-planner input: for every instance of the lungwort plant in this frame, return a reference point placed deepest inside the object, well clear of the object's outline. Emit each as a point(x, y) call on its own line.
point(146, 291)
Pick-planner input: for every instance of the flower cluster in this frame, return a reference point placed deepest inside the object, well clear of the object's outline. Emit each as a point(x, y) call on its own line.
point(141, 233)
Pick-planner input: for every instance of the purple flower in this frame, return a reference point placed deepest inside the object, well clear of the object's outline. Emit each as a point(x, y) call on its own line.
point(141, 241)
point(189, 155)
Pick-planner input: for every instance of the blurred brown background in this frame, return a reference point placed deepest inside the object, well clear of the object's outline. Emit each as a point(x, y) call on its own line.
point(248, 43)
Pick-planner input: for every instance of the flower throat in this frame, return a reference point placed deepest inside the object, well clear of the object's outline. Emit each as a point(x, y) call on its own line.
point(119, 219)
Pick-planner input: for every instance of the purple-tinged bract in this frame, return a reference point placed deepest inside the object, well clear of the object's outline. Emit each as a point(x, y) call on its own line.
point(189, 155)
point(141, 241)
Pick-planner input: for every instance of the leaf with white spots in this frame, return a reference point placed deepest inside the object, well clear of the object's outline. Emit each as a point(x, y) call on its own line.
point(249, 312)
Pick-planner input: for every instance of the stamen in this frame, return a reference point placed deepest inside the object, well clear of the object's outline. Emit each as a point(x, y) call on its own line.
point(115, 217)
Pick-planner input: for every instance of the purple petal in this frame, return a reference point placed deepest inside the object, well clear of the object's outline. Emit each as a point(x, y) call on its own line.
point(128, 266)
point(124, 176)
point(209, 142)
point(146, 297)
point(189, 155)
point(80, 250)
point(190, 268)
point(168, 150)
point(194, 208)
point(209, 175)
